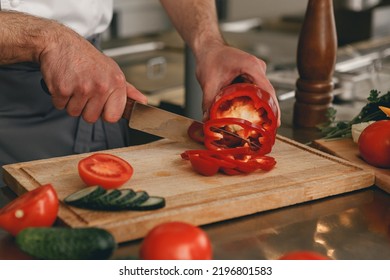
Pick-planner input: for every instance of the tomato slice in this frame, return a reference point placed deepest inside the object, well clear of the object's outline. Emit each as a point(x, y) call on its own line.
point(106, 170)
point(36, 208)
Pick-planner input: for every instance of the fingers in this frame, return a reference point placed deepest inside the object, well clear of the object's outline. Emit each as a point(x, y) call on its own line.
point(85, 82)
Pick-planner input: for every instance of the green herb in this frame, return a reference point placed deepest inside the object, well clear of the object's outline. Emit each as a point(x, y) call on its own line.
point(370, 112)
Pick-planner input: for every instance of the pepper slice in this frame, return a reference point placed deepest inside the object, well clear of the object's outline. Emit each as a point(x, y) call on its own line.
point(248, 102)
point(257, 138)
point(208, 162)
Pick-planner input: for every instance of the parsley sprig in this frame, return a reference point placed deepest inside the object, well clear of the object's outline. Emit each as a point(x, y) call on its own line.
point(370, 112)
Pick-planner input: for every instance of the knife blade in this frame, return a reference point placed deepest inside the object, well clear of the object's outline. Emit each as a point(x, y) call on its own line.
point(156, 121)
point(163, 123)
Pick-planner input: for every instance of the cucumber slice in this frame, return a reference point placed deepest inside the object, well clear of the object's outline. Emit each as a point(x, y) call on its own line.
point(152, 203)
point(104, 201)
point(140, 197)
point(85, 196)
point(126, 194)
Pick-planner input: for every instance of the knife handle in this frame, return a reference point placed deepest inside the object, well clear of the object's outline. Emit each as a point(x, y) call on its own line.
point(128, 108)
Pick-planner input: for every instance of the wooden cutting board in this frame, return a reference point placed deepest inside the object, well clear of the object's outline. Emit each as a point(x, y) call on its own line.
point(347, 149)
point(301, 174)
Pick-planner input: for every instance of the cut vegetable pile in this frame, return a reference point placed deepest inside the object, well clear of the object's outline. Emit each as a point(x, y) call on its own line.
point(242, 110)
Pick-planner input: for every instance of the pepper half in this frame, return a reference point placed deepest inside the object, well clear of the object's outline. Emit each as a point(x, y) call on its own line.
point(246, 102)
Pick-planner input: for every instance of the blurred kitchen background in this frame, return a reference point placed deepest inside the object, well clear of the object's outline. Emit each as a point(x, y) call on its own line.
point(155, 59)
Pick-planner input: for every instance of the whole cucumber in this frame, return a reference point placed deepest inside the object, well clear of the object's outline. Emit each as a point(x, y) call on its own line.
point(58, 243)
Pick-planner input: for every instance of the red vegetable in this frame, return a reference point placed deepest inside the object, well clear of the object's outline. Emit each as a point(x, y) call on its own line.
point(176, 241)
point(195, 132)
point(244, 110)
point(36, 208)
point(248, 102)
point(374, 144)
point(106, 170)
point(257, 138)
point(228, 161)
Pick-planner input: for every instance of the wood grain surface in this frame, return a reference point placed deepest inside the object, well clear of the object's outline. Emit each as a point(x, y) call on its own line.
point(347, 149)
point(301, 174)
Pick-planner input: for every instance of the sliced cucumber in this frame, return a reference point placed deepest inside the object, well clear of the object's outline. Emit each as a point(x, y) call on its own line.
point(97, 198)
point(85, 196)
point(140, 197)
point(152, 203)
point(104, 201)
point(126, 194)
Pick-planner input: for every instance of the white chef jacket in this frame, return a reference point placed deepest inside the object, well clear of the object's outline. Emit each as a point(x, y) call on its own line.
point(86, 17)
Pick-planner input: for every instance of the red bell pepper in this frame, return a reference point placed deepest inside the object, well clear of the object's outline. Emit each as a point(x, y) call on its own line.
point(248, 102)
point(244, 110)
point(208, 162)
point(255, 137)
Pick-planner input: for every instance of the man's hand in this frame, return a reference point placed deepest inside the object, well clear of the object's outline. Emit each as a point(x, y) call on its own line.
point(221, 64)
point(84, 81)
point(80, 78)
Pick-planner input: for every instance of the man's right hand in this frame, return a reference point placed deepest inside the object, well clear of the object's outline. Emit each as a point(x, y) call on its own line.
point(84, 81)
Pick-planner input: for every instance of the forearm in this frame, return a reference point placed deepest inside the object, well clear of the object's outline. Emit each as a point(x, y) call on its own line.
point(196, 21)
point(23, 38)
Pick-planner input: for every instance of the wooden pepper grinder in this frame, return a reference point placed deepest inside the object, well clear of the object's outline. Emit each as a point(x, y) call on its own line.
point(316, 58)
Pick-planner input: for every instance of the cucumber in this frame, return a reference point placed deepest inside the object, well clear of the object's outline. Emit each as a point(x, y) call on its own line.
point(114, 200)
point(152, 203)
point(85, 196)
point(66, 243)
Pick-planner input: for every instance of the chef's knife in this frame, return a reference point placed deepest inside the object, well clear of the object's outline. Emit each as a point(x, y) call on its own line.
point(163, 123)
point(159, 122)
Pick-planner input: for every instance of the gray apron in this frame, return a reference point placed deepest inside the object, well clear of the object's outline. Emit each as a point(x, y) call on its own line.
point(31, 128)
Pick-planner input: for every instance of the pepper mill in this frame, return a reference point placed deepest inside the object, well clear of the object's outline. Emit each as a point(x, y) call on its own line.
point(316, 59)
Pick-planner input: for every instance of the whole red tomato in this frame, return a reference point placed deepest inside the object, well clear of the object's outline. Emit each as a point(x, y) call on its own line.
point(106, 170)
point(374, 144)
point(176, 241)
point(303, 255)
point(36, 208)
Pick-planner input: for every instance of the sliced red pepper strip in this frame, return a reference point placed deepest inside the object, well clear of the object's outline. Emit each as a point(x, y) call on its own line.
point(208, 162)
point(215, 140)
point(203, 166)
point(195, 132)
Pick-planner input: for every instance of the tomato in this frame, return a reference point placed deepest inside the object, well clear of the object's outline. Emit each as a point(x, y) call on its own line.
point(176, 241)
point(374, 144)
point(36, 208)
point(106, 170)
point(303, 255)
